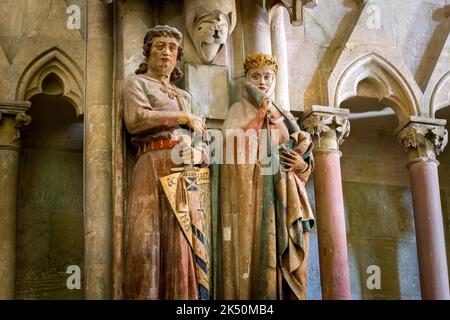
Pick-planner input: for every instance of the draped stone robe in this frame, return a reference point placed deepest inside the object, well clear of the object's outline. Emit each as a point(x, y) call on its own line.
point(265, 219)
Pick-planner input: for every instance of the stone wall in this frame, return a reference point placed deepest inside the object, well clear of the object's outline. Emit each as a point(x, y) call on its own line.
point(35, 42)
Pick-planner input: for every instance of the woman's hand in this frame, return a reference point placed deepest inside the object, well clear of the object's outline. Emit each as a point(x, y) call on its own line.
point(292, 161)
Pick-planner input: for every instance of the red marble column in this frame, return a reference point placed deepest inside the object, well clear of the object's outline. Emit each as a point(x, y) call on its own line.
point(328, 127)
point(423, 139)
point(334, 271)
point(429, 230)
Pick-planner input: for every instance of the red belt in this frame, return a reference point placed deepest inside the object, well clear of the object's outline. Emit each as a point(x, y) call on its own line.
point(157, 145)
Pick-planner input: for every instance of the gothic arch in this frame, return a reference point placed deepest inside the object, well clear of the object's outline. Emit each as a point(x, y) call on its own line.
point(391, 84)
point(54, 62)
point(440, 97)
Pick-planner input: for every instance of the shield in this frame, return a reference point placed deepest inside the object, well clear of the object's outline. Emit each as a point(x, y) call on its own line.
point(188, 193)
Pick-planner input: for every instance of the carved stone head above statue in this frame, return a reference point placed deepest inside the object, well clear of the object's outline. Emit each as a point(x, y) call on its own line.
point(209, 24)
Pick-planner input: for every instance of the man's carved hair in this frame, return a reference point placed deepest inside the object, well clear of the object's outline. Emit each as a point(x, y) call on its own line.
point(162, 31)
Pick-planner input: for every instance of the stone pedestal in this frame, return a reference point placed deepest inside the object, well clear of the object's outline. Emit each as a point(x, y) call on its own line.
point(12, 117)
point(423, 140)
point(329, 127)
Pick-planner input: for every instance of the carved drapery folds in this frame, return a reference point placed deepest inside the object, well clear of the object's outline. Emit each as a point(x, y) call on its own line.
point(424, 140)
point(209, 24)
point(295, 8)
point(329, 126)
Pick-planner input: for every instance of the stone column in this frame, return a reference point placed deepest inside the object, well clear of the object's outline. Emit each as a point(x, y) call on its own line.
point(256, 28)
point(12, 117)
point(98, 148)
point(329, 127)
point(423, 139)
point(279, 49)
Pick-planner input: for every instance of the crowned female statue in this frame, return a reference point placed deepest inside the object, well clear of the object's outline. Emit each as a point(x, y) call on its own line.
point(265, 212)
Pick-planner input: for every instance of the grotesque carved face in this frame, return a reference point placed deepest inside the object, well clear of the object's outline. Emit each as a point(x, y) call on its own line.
point(263, 78)
point(163, 55)
point(210, 34)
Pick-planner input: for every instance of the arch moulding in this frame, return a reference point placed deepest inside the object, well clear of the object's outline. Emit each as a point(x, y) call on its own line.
point(57, 62)
point(392, 84)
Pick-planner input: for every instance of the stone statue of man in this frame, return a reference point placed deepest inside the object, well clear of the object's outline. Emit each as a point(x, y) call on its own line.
point(159, 261)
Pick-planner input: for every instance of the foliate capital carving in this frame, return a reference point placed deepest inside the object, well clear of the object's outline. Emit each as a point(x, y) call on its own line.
point(423, 141)
point(321, 125)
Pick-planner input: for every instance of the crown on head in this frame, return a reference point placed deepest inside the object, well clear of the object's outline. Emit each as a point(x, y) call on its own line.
point(260, 60)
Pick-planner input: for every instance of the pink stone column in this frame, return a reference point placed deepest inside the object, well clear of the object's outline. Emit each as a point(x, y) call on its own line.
point(328, 127)
point(334, 271)
point(423, 139)
point(429, 230)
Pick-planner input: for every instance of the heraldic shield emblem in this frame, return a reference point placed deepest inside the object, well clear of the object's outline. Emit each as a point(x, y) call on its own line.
point(188, 193)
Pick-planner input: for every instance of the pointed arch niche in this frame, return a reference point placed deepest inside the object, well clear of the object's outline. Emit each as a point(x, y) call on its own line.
point(53, 70)
point(50, 235)
point(373, 76)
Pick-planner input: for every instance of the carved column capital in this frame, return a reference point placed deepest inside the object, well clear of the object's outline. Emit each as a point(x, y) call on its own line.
point(12, 117)
point(13, 108)
point(328, 126)
point(423, 139)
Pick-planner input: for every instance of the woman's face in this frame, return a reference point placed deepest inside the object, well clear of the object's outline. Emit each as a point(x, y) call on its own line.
point(262, 77)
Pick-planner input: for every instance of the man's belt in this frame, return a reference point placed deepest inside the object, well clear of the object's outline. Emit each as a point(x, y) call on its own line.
point(157, 145)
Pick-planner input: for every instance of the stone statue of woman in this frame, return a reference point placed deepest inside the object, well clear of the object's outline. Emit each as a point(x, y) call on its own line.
point(265, 218)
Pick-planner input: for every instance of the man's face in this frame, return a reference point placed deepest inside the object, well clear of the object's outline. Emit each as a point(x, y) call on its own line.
point(262, 77)
point(163, 55)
